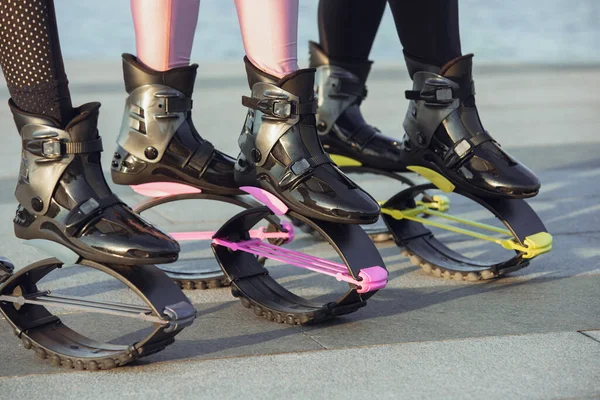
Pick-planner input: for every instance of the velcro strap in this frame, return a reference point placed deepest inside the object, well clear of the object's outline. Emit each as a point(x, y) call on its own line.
point(280, 108)
point(304, 165)
point(89, 146)
point(54, 148)
point(85, 211)
point(480, 138)
point(412, 94)
point(251, 102)
point(304, 108)
point(440, 94)
point(178, 104)
point(201, 157)
point(301, 167)
point(349, 87)
point(363, 135)
point(464, 147)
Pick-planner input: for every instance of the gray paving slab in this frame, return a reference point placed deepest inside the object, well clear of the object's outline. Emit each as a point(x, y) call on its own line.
point(456, 324)
point(398, 314)
point(221, 330)
point(440, 313)
point(516, 367)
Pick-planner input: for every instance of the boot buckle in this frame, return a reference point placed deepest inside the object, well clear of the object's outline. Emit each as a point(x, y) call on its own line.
point(48, 148)
point(272, 107)
point(172, 104)
point(443, 94)
point(52, 149)
point(282, 108)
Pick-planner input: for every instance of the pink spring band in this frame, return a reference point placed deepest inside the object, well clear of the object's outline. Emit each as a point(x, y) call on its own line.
point(260, 233)
point(268, 199)
point(372, 278)
point(161, 189)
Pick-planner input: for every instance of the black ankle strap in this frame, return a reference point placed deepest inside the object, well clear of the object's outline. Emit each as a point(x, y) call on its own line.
point(173, 103)
point(84, 212)
point(278, 108)
point(301, 168)
point(363, 135)
point(464, 147)
point(54, 148)
point(441, 94)
point(201, 157)
point(344, 86)
point(90, 146)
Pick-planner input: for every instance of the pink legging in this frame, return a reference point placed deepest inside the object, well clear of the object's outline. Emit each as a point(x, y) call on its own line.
point(164, 32)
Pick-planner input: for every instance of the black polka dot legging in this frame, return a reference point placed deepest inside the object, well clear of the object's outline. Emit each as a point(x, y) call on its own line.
point(31, 59)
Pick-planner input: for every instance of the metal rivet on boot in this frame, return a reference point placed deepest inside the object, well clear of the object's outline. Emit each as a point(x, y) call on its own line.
point(37, 204)
point(151, 153)
point(321, 126)
point(420, 138)
point(256, 155)
point(117, 156)
point(115, 164)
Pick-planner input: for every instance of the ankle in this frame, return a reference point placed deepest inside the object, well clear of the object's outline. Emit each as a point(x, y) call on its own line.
point(277, 69)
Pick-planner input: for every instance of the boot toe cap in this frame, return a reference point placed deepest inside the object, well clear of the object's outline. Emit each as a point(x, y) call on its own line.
point(124, 234)
point(511, 179)
point(337, 202)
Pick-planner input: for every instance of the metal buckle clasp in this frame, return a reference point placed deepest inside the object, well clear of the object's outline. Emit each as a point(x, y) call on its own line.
point(276, 108)
point(282, 108)
point(437, 92)
point(51, 148)
point(48, 148)
point(443, 94)
point(164, 96)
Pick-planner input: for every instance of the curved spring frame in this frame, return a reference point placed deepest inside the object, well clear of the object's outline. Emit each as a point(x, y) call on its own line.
point(406, 220)
point(362, 267)
point(276, 232)
point(24, 306)
point(526, 234)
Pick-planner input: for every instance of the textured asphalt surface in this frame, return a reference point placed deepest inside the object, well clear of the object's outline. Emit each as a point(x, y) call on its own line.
point(534, 334)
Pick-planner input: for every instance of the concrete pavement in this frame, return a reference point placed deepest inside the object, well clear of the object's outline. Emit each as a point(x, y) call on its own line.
point(535, 334)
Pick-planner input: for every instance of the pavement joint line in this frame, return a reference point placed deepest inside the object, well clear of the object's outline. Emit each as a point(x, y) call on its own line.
point(155, 364)
point(588, 336)
point(306, 334)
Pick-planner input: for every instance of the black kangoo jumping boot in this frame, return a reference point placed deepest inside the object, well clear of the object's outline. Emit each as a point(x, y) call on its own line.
point(64, 198)
point(445, 140)
point(158, 141)
point(281, 151)
point(341, 88)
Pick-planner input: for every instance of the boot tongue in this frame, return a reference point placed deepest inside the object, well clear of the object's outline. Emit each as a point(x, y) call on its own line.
point(255, 75)
point(300, 83)
point(84, 126)
point(136, 74)
point(459, 69)
point(359, 68)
